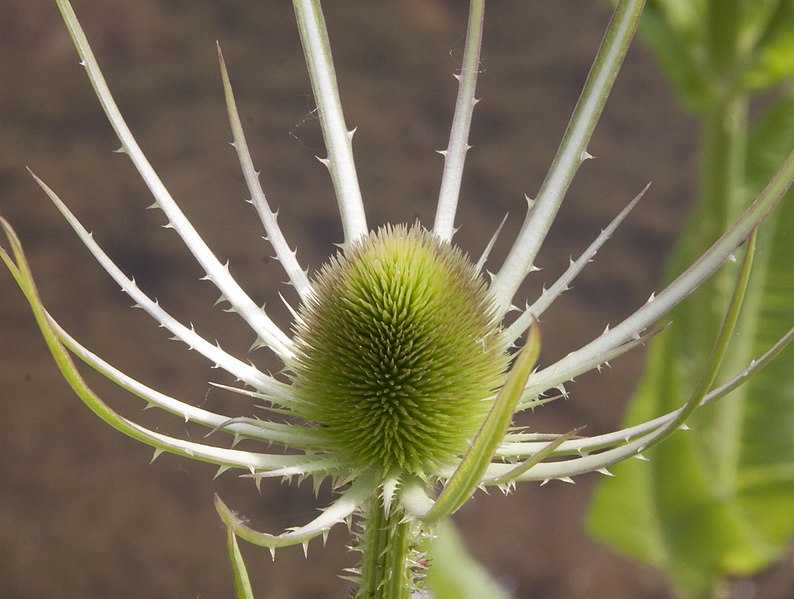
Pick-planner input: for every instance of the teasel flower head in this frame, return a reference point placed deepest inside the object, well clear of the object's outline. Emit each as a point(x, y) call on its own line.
point(406, 361)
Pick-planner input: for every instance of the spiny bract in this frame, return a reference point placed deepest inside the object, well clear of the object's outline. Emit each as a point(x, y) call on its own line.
point(397, 351)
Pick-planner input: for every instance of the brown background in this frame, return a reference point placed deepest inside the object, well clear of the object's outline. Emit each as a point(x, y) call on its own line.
point(82, 513)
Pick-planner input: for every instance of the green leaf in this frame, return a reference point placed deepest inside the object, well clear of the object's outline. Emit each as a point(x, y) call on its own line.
point(673, 30)
point(454, 574)
point(712, 49)
point(773, 57)
point(719, 500)
point(242, 586)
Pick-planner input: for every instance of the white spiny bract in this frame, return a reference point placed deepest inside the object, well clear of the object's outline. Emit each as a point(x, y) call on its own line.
point(398, 374)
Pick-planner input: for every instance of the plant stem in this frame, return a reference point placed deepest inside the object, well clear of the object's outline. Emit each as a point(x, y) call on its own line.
point(387, 546)
point(723, 192)
point(723, 141)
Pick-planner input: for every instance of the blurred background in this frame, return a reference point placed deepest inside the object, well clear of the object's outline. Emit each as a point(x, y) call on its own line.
point(82, 512)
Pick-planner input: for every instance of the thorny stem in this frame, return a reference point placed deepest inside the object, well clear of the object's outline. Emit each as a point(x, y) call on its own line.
point(387, 547)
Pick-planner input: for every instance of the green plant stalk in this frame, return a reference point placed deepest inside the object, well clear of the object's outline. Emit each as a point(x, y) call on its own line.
point(387, 547)
point(721, 177)
point(723, 141)
point(727, 142)
point(723, 149)
point(722, 23)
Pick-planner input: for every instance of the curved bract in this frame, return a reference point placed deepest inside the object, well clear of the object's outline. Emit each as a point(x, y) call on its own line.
point(400, 384)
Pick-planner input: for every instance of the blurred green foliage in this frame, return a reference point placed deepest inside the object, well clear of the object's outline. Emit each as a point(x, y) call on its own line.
point(719, 502)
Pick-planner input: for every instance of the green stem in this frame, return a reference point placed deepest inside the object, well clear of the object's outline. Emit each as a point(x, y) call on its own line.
point(728, 144)
point(387, 547)
point(722, 27)
point(723, 141)
point(722, 195)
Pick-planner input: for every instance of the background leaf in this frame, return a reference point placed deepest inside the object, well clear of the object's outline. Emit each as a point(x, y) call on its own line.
point(670, 28)
point(454, 574)
point(707, 47)
point(718, 501)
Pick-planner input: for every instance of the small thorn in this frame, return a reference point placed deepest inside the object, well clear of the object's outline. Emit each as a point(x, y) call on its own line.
point(157, 453)
point(221, 470)
point(257, 344)
point(605, 472)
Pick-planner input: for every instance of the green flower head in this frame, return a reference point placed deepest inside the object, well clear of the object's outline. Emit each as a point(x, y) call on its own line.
point(398, 351)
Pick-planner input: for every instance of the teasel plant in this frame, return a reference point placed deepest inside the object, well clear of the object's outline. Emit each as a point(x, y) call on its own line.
point(407, 361)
